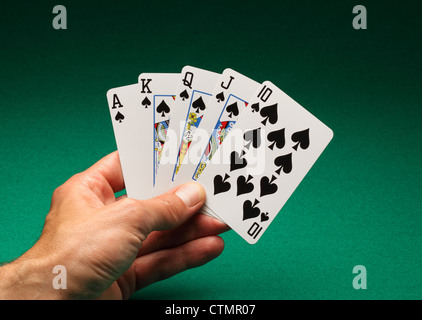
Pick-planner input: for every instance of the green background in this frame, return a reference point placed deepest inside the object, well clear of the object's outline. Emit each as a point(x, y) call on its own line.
point(359, 205)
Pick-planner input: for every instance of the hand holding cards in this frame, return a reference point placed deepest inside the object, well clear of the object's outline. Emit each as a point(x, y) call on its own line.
point(249, 145)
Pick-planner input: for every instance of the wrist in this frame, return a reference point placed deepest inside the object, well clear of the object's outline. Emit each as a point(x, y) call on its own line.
point(28, 279)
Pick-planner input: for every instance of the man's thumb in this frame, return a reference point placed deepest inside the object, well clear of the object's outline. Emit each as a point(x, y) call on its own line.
point(170, 209)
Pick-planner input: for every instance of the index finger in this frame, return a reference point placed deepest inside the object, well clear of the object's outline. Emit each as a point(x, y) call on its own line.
point(110, 169)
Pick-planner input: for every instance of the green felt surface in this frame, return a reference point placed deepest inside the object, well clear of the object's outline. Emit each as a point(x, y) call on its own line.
point(359, 205)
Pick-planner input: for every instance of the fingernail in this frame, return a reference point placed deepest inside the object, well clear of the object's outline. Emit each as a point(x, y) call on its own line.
point(191, 193)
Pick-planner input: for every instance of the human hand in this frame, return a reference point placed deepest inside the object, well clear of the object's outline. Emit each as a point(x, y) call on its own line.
point(112, 247)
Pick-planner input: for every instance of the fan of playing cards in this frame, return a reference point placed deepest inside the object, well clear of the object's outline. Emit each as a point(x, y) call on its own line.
point(248, 144)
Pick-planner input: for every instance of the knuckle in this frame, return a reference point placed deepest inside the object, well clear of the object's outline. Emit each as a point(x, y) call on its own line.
point(60, 192)
point(66, 187)
point(131, 205)
point(49, 217)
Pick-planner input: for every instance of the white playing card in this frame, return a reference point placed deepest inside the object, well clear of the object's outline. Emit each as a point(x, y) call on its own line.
point(230, 98)
point(280, 141)
point(133, 134)
point(158, 92)
point(195, 87)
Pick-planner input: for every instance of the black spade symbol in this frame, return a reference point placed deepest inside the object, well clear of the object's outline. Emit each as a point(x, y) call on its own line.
point(253, 137)
point(277, 139)
point(146, 103)
point(220, 184)
point(233, 109)
point(243, 185)
point(119, 117)
point(236, 161)
point(302, 139)
point(163, 108)
point(264, 216)
point(267, 186)
point(184, 95)
point(250, 210)
point(198, 104)
point(284, 162)
point(220, 96)
point(269, 114)
point(255, 107)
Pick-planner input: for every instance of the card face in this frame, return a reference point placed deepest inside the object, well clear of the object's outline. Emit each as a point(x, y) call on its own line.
point(134, 138)
point(195, 88)
point(158, 92)
point(230, 97)
point(276, 142)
